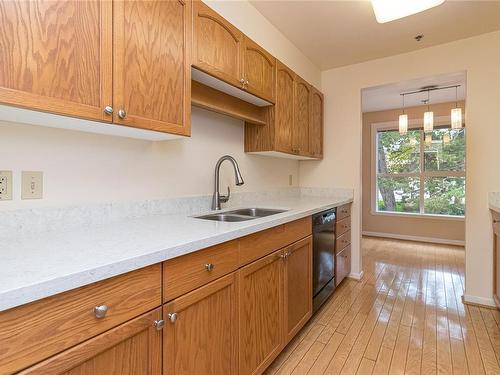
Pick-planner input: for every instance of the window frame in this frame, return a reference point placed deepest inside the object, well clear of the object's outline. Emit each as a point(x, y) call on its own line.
point(421, 175)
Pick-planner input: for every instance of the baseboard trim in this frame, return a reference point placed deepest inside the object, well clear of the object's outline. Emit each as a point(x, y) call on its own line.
point(479, 301)
point(356, 275)
point(415, 238)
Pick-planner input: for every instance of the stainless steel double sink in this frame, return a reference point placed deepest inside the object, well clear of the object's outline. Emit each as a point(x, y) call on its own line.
point(242, 214)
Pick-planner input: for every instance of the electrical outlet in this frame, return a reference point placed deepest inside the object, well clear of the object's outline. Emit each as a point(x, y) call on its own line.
point(5, 185)
point(31, 185)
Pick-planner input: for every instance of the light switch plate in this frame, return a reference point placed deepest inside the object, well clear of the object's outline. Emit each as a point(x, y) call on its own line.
point(5, 185)
point(31, 185)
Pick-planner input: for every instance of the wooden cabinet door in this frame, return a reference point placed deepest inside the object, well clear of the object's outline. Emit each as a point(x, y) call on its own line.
point(301, 129)
point(56, 56)
point(152, 73)
point(342, 264)
point(284, 108)
point(259, 70)
point(316, 129)
point(203, 336)
point(261, 312)
point(131, 348)
point(298, 286)
point(217, 45)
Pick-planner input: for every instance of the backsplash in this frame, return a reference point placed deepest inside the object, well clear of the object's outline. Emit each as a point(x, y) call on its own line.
point(37, 220)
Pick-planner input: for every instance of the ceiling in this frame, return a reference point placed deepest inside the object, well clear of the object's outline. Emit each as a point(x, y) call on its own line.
point(385, 97)
point(337, 33)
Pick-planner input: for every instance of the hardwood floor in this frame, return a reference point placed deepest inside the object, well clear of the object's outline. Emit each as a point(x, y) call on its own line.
point(405, 316)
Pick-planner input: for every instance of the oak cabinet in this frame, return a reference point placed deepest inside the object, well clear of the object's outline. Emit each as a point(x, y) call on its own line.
point(201, 330)
point(261, 312)
point(295, 122)
point(496, 257)
point(217, 45)
point(126, 62)
point(152, 76)
point(57, 56)
point(132, 348)
point(302, 120)
point(298, 287)
point(316, 124)
point(343, 243)
point(259, 70)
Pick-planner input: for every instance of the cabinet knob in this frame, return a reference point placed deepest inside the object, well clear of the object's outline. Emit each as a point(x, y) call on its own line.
point(108, 110)
point(159, 324)
point(100, 311)
point(122, 114)
point(242, 81)
point(172, 317)
point(247, 82)
point(210, 266)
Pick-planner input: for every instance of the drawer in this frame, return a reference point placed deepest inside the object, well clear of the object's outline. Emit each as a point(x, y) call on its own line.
point(188, 272)
point(342, 241)
point(43, 328)
point(343, 226)
point(262, 243)
point(342, 265)
point(343, 211)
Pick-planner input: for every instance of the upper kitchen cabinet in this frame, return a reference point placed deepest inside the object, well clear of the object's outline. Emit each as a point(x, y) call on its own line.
point(56, 56)
point(217, 45)
point(295, 123)
point(316, 124)
point(301, 125)
point(152, 74)
point(259, 69)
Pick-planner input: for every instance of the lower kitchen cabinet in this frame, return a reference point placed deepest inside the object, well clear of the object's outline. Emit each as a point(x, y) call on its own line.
point(261, 311)
point(298, 286)
point(496, 257)
point(132, 348)
point(201, 330)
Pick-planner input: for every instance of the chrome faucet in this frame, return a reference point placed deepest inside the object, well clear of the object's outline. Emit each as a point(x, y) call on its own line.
point(217, 199)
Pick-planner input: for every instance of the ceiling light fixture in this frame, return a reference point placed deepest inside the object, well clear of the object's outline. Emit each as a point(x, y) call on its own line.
point(390, 10)
point(403, 120)
point(428, 116)
point(456, 113)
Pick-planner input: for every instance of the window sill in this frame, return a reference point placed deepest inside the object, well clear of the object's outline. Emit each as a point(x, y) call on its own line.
point(419, 216)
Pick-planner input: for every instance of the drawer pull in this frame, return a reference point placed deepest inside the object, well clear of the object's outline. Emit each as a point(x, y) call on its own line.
point(210, 266)
point(100, 311)
point(159, 324)
point(172, 317)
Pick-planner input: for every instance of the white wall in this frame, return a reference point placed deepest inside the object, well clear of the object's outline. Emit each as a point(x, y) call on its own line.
point(480, 58)
point(82, 168)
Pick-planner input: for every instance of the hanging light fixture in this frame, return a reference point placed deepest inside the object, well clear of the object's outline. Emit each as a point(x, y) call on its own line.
point(428, 139)
point(456, 113)
point(446, 138)
point(428, 117)
point(403, 120)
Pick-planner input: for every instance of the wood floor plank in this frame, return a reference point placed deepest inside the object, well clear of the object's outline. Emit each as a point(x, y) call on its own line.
point(405, 316)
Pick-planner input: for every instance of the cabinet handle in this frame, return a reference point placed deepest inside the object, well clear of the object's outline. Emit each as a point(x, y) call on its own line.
point(100, 311)
point(122, 114)
point(172, 317)
point(247, 82)
point(108, 110)
point(284, 255)
point(242, 81)
point(210, 266)
point(159, 324)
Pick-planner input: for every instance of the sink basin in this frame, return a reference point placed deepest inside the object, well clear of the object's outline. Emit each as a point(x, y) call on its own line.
point(225, 217)
point(256, 212)
point(242, 214)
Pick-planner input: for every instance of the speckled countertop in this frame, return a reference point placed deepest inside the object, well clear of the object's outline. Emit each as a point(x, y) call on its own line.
point(38, 265)
point(494, 201)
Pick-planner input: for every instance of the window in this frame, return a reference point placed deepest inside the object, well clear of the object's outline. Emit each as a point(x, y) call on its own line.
point(415, 175)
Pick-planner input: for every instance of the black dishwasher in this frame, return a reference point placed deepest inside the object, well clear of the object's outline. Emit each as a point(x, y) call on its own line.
point(323, 229)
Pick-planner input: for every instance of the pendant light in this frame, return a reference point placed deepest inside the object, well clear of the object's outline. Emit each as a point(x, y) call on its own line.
point(428, 117)
point(428, 139)
point(403, 120)
point(456, 113)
